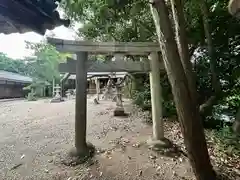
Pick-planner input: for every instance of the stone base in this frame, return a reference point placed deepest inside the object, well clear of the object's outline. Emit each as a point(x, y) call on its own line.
point(119, 111)
point(159, 144)
point(57, 100)
point(95, 101)
point(76, 157)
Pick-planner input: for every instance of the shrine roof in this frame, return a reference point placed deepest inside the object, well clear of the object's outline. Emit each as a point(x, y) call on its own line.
point(20, 16)
point(14, 77)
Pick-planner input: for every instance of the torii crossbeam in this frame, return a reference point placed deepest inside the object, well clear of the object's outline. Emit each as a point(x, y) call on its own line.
point(133, 48)
point(109, 66)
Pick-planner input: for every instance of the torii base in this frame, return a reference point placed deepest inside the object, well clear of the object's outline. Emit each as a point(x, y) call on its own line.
point(57, 100)
point(159, 144)
point(119, 111)
point(75, 157)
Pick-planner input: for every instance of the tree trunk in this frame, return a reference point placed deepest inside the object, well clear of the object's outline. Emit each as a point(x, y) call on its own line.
point(215, 80)
point(81, 103)
point(188, 113)
point(236, 124)
point(183, 49)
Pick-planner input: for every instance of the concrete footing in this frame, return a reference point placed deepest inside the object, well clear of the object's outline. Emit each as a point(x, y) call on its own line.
point(57, 100)
point(76, 157)
point(159, 144)
point(119, 111)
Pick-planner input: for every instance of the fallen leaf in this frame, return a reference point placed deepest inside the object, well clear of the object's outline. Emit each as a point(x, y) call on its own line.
point(22, 156)
point(158, 168)
point(174, 173)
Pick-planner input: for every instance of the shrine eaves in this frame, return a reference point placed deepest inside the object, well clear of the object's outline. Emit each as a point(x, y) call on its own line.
point(20, 16)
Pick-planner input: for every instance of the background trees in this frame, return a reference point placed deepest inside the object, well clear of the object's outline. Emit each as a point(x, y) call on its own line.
point(42, 66)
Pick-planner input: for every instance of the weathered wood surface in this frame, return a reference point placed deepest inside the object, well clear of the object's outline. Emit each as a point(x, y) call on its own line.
point(81, 103)
point(156, 97)
point(110, 66)
point(138, 48)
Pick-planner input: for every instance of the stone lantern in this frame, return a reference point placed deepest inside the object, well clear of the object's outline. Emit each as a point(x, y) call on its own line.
point(57, 97)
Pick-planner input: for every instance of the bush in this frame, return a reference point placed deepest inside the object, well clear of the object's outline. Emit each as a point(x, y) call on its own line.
point(142, 98)
point(169, 108)
point(31, 96)
point(226, 141)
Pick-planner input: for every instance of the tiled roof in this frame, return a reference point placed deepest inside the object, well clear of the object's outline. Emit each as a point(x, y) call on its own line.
point(29, 15)
point(9, 76)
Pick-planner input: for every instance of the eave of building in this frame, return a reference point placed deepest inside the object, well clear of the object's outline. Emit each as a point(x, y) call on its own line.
point(14, 77)
point(24, 16)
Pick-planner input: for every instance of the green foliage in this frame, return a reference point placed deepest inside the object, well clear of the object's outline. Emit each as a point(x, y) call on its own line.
point(11, 65)
point(36, 84)
point(44, 66)
point(35, 89)
point(31, 96)
point(142, 97)
point(112, 20)
point(226, 141)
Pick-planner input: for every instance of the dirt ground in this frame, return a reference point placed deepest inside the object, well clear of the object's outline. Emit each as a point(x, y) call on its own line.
point(36, 136)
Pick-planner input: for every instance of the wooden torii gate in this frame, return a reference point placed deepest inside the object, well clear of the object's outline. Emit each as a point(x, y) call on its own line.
point(119, 50)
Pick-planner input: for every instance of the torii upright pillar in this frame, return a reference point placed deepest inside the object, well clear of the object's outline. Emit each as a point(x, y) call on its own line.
point(81, 105)
point(157, 139)
point(156, 97)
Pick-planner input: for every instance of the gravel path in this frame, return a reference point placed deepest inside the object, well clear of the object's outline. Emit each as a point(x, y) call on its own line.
point(34, 136)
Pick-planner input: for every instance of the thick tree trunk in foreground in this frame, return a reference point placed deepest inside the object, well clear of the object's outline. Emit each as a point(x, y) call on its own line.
point(188, 113)
point(215, 80)
point(236, 124)
point(81, 103)
point(180, 31)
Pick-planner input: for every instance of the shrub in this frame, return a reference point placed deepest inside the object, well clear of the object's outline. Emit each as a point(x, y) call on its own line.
point(226, 141)
point(31, 96)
